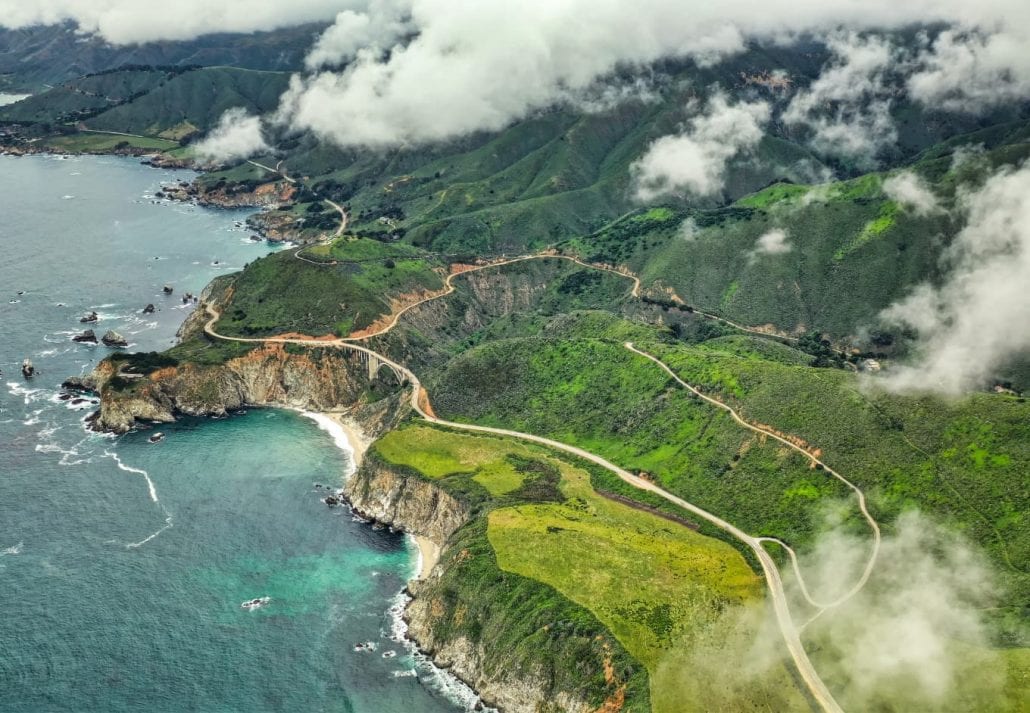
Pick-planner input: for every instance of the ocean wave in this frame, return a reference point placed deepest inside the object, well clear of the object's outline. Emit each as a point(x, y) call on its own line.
point(429, 674)
point(138, 471)
point(28, 394)
point(12, 550)
point(339, 436)
point(151, 489)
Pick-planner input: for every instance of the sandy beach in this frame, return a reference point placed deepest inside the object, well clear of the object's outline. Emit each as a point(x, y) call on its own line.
point(428, 556)
point(358, 441)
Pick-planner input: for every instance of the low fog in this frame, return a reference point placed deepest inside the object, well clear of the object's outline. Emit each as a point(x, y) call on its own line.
point(913, 639)
point(237, 135)
point(978, 319)
point(694, 161)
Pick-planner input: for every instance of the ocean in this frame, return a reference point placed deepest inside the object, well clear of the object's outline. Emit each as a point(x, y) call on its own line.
point(124, 564)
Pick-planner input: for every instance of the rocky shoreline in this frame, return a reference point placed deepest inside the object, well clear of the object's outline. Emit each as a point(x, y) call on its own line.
point(271, 223)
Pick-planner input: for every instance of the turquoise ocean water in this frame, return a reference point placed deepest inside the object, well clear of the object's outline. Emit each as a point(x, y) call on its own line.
point(123, 564)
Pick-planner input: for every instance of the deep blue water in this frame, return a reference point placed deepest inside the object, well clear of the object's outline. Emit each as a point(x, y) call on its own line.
point(123, 564)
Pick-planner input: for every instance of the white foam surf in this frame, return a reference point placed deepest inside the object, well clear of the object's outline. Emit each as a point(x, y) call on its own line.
point(13, 550)
point(429, 674)
point(339, 436)
point(151, 489)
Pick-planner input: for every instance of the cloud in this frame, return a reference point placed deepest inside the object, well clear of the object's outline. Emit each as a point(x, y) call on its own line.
point(912, 193)
point(379, 27)
point(237, 136)
point(978, 319)
point(972, 72)
point(133, 21)
point(912, 639)
point(689, 230)
point(773, 242)
point(695, 161)
point(847, 107)
point(914, 631)
point(480, 66)
point(420, 71)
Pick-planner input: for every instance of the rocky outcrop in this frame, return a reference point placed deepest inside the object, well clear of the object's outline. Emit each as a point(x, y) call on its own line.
point(87, 337)
point(513, 691)
point(406, 502)
point(111, 338)
point(276, 226)
point(269, 375)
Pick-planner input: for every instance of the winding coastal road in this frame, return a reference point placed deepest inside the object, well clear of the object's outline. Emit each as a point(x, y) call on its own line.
point(419, 403)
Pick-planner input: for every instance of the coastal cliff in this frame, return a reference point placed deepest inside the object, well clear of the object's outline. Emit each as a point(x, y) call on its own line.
point(460, 632)
point(159, 388)
point(315, 380)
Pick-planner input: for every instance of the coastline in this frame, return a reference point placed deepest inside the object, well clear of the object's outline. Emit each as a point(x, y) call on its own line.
point(350, 439)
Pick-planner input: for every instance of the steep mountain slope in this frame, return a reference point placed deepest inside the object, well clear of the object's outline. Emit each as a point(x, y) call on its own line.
point(34, 58)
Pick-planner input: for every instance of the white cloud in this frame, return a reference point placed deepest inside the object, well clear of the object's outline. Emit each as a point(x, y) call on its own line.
point(689, 230)
point(429, 70)
point(480, 66)
point(978, 319)
point(912, 193)
point(695, 161)
point(376, 29)
point(237, 135)
point(972, 72)
point(136, 21)
point(848, 106)
point(910, 640)
point(913, 632)
point(773, 242)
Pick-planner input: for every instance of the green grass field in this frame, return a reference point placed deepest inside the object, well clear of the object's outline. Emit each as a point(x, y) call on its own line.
point(661, 589)
point(105, 143)
point(279, 293)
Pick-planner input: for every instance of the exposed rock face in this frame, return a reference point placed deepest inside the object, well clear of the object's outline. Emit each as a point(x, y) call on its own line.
point(91, 317)
point(111, 338)
point(149, 309)
point(77, 383)
point(513, 692)
point(267, 376)
point(418, 506)
point(88, 337)
point(404, 501)
point(276, 226)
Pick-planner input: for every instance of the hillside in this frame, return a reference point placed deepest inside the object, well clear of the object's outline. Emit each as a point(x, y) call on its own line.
point(717, 347)
point(35, 58)
point(158, 102)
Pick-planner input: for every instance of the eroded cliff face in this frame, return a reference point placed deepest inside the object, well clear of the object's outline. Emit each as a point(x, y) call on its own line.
point(315, 380)
point(409, 502)
point(406, 502)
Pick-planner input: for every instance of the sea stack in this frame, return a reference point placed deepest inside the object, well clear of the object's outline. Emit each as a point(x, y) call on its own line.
point(27, 369)
point(90, 317)
point(111, 338)
point(88, 337)
point(149, 309)
point(167, 289)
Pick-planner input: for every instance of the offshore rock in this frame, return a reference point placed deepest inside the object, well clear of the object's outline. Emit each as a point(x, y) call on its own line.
point(111, 338)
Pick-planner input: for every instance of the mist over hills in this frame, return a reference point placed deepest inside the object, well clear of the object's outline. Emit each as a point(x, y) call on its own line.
point(826, 207)
point(35, 57)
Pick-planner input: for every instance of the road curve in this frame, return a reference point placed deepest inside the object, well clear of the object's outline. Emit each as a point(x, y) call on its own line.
point(449, 287)
point(873, 525)
point(788, 630)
